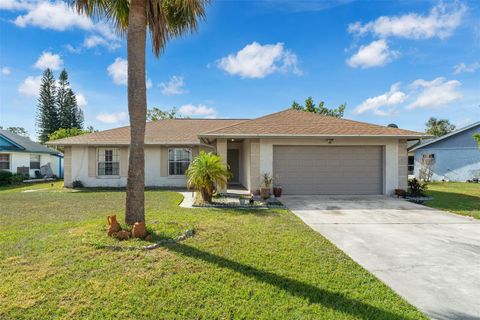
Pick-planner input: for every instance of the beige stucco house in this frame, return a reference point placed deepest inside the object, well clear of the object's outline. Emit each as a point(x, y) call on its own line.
point(306, 153)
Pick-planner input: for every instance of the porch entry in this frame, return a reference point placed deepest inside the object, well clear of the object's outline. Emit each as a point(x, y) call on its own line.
point(233, 161)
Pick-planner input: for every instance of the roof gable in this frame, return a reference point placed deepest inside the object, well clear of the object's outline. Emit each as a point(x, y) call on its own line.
point(292, 122)
point(24, 144)
point(461, 138)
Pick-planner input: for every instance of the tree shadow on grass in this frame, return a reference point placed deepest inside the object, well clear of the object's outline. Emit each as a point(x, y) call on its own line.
point(314, 294)
point(451, 201)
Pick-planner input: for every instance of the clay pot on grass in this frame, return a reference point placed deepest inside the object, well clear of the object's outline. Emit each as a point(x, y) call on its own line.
point(139, 230)
point(113, 225)
point(122, 235)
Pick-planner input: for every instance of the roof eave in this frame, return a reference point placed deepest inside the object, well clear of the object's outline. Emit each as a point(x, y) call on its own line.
point(233, 135)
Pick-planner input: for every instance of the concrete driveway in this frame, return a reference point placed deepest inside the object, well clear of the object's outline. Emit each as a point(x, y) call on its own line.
point(428, 256)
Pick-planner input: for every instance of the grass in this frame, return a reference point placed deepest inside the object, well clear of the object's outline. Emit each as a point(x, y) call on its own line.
point(241, 264)
point(457, 197)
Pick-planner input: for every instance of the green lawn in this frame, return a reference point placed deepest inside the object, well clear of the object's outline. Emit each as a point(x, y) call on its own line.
point(458, 197)
point(240, 264)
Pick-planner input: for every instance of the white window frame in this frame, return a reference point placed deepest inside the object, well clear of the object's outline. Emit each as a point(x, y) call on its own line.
point(115, 159)
point(175, 160)
point(9, 161)
point(39, 161)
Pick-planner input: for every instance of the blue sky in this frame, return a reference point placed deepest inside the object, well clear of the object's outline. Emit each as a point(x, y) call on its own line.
point(391, 62)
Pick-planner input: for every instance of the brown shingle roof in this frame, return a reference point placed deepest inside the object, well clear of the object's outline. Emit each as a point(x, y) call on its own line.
point(178, 131)
point(292, 122)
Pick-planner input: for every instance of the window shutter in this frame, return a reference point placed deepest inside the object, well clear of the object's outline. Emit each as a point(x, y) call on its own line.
point(163, 161)
point(92, 161)
point(124, 162)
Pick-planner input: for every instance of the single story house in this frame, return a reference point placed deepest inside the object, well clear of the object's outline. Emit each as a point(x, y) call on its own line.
point(306, 153)
point(21, 155)
point(452, 157)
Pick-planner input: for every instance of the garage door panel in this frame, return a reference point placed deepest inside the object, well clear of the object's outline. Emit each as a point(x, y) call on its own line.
point(329, 170)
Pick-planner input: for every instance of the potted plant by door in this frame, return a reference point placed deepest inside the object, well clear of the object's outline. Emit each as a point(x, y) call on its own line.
point(277, 189)
point(266, 186)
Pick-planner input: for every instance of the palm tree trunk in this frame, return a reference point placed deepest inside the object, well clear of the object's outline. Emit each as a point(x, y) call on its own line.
point(137, 106)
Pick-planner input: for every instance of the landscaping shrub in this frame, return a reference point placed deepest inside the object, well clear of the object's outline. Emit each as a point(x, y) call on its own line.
point(5, 177)
point(17, 178)
point(417, 187)
point(77, 184)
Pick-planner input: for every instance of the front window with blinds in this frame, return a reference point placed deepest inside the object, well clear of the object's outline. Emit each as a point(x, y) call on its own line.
point(34, 161)
point(4, 161)
point(108, 162)
point(178, 160)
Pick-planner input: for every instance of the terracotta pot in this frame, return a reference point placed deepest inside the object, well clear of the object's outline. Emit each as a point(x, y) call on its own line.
point(113, 225)
point(139, 230)
point(265, 193)
point(122, 235)
point(400, 193)
point(277, 192)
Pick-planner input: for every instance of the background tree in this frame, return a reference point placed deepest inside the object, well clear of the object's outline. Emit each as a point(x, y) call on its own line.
point(310, 106)
point(17, 130)
point(439, 127)
point(70, 115)
point(65, 133)
point(476, 136)
point(157, 114)
point(165, 20)
point(47, 115)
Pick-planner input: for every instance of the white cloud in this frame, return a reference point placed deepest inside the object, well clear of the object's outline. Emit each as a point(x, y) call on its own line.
point(81, 100)
point(111, 118)
point(258, 61)
point(118, 70)
point(96, 40)
point(376, 54)
point(441, 22)
point(436, 93)
point(15, 5)
point(56, 15)
point(174, 86)
point(200, 110)
point(93, 41)
point(462, 67)
point(30, 86)
point(60, 16)
point(389, 99)
point(149, 84)
point(6, 71)
point(49, 60)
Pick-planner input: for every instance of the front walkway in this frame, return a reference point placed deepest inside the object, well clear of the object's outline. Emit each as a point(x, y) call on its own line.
point(430, 257)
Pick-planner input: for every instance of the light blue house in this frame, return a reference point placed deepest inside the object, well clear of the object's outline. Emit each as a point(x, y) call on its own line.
point(452, 157)
point(21, 155)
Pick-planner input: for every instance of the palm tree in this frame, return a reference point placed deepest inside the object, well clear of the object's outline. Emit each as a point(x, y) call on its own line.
point(165, 19)
point(205, 172)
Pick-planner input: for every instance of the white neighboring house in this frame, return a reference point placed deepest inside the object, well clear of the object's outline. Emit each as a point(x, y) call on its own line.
point(18, 153)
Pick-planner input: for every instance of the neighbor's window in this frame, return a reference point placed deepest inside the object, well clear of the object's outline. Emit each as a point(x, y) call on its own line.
point(34, 161)
point(108, 162)
point(179, 160)
point(428, 156)
point(4, 161)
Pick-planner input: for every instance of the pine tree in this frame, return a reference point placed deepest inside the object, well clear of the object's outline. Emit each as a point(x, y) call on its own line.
point(70, 115)
point(62, 100)
point(47, 116)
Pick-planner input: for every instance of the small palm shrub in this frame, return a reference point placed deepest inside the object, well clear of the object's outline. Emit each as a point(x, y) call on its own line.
point(206, 172)
point(417, 187)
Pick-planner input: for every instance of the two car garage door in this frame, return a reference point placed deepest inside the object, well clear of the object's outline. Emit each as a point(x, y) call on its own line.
point(329, 170)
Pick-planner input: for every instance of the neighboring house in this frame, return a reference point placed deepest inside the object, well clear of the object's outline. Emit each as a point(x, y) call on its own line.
point(452, 157)
point(307, 153)
point(21, 155)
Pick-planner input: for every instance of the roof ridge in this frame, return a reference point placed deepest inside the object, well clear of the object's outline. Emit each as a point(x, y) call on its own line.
point(248, 120)
point(448, 135)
